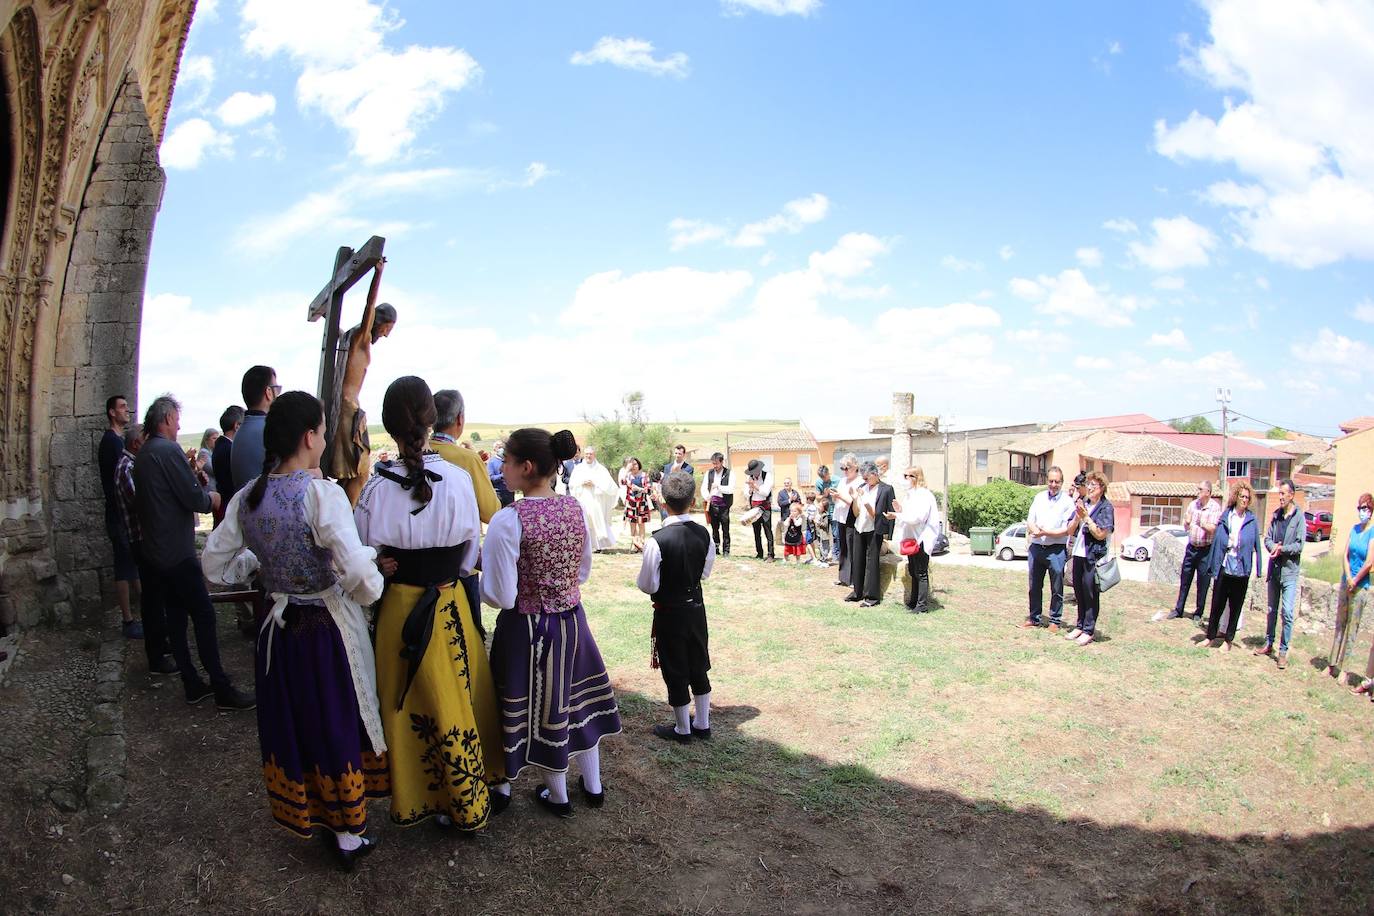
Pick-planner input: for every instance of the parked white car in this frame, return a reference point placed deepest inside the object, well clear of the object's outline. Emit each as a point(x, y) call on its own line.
point(1012, 543)
point(1141, 546)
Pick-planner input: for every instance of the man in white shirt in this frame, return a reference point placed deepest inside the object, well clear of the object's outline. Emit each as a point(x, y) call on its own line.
point(760, 492)
point(1047, 526)
point(718, 492)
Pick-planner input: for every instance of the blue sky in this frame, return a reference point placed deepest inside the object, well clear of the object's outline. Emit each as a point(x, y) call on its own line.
point(750, 208)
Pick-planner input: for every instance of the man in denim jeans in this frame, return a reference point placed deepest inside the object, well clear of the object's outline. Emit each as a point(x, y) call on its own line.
point(1047, 525)
point(1287, 528)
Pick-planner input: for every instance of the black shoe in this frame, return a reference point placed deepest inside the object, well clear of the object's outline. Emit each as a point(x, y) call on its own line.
point(231, 698)
point(594, 799)
point(197, 692)
point(668, 733)
point(541, 798)
point(852, 597)
point(701, 734)
point(868, 602)
point(348, 859)
point(164, 665)
point(499, 802)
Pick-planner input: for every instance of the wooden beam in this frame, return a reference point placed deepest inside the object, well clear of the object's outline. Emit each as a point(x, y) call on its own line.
point(346, 274)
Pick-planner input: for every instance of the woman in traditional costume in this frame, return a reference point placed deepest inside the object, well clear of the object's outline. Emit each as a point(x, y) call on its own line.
point(323, 748)
point(556, 697)
point(438, 706)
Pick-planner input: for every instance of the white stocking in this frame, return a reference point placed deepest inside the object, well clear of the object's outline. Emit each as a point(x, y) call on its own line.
point(557, 784)
point(704, 711)
point(589, 762)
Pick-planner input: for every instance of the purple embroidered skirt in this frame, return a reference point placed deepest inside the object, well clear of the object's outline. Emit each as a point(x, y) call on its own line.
point(555, 695)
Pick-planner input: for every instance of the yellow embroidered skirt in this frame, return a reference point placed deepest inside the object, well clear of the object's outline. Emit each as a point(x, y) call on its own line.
point(444, 740)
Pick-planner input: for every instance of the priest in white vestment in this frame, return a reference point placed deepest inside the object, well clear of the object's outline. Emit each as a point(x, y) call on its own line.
point(596, 490)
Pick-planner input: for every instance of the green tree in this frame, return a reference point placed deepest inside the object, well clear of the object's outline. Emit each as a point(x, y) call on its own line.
point(1194, 425)
point(995, 504)
point(1276, 432)
point(476, 436)
point(629, 433)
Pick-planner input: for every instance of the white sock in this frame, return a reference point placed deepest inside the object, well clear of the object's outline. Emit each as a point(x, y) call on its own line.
point(348, 841)
point(704, 711)
point(683, 715)
point(502, 789)
point(589, 762)
point(557, 784)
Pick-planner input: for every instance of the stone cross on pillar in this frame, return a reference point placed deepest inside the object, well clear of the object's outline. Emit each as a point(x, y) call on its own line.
point(900, 425)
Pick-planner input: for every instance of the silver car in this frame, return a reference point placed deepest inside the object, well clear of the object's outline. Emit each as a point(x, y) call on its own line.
point(1012, 543)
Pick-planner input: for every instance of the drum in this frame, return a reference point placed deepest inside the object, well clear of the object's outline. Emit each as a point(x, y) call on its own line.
point(751, 515)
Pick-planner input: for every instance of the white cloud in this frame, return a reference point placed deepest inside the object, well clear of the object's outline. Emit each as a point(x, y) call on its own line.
point(1174, 340)
point(1036, 339)
point(1070, 296)
point(851, 256)
point(1302, 132)
point(336, 210)
point(795, 215)
point(191, 141)
point(1364, 311)
point(1006, 252)
point(1336, 352)
point(1089, 257)
point(1168, 282)
point(1262, 282)
point(1093, 362)
point(632, 54)
point(612, 297)
point(246, 107)
point(686, 232)
point(1192, 375)
point(959, 265)
point(772, 7)
point(379, 96)
point(1178, 242)
point(937, 322)
point(1121, 226)
point(195, 78)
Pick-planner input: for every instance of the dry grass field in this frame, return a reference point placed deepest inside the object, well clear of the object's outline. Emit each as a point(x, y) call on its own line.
point(864, 760)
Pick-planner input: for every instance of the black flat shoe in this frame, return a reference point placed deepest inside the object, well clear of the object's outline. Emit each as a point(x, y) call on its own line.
point(541, 798)
point(499, 802)
point(594, 799)
point(852, 597)
point(701, 734)
point(868, 602)
point(348, 859)
point(668, 733)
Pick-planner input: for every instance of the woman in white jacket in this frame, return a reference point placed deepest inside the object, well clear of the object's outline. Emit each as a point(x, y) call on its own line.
point(917, 518)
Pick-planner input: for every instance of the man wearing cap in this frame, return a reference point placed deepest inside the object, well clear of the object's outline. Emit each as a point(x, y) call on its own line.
point(760, 489)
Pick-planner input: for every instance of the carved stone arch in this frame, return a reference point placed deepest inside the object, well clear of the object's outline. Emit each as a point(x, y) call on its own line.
point(19, 52)
point(158, 74)
point(89, 104)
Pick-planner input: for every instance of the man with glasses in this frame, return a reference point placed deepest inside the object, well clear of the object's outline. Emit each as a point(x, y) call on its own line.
point(1200, 518)
point(259, 389)
point(1047, 525)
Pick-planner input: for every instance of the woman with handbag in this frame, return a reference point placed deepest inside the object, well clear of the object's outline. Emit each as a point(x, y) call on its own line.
point(1235, 551)
point(917, 519)
point(1091, 535)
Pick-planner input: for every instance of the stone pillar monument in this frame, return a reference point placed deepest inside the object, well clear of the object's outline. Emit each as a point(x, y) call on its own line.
point(901, 424)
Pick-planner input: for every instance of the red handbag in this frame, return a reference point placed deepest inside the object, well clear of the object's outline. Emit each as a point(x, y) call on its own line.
point(909, 547)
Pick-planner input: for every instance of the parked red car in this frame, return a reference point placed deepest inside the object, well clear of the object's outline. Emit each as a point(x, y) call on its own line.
point(1318, 526)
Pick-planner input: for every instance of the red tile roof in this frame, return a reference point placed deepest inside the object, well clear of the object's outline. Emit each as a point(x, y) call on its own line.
point(1357, 424)
point(1209, 444)
point(1124, 423)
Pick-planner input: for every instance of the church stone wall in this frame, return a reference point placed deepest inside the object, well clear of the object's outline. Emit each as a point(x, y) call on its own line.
point(87, 86)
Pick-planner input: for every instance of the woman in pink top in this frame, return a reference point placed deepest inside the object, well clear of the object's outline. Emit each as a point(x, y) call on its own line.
point(555, 695)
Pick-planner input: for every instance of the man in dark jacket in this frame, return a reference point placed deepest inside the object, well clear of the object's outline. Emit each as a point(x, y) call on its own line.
point(1283, 541)
point(168, 497)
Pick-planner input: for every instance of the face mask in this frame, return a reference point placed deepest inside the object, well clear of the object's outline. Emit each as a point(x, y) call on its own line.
point(1364, 515)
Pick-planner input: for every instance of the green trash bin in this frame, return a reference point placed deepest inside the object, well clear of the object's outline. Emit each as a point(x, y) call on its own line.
point(980, 540)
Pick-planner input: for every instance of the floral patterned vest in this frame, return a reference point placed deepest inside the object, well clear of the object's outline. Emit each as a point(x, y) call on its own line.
point(279, 535)
point(553, 533)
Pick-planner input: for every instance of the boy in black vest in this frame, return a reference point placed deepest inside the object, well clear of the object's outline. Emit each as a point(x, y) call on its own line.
point(719, 493)
point(676, 558)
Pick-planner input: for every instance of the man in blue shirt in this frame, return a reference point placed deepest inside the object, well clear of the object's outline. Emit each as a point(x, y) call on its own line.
point(259, 388)
point(498, 480)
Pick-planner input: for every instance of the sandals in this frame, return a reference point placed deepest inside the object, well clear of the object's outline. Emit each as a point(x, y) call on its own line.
point(1363, 688)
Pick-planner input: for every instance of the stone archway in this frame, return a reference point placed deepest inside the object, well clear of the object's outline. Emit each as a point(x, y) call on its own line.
point(82, 197)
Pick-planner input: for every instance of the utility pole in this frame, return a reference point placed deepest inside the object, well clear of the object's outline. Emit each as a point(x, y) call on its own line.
point(944, 428)
point(1223, 398)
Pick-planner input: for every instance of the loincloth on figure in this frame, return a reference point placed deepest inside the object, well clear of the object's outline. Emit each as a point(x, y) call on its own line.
point(351, 450)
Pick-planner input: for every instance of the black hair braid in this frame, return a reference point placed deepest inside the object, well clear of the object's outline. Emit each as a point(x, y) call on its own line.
point(408, 414)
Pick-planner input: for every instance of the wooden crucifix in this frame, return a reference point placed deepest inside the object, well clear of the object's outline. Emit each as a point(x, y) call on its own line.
point(344, 359)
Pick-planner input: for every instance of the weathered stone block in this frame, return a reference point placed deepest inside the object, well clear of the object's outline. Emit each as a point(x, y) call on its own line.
point(107, 719)
point(43, 567)
point(108, 306)
point(113, 344)
point(105, 192)
point(106, 219)
point(85, 582)
point(144, 216)
point(1166, 560)
point(68, 516)
point(83, 249)
point(127, 278)
point(106, 794)
point(109, 692)
point(64, 483)
point(73, 338)
point(63, 389)
point(69, 449)
point(122, 152)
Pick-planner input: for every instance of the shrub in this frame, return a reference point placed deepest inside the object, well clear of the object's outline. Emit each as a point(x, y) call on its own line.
point(995, 504)
point(476, 436)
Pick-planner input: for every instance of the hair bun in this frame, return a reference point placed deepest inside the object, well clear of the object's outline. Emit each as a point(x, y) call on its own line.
point(564, 444)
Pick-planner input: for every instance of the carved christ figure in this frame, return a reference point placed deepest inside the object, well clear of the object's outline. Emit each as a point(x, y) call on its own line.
point(351, 455)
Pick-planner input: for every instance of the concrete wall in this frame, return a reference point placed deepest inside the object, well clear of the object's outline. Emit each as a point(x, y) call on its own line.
point(1354, 475)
